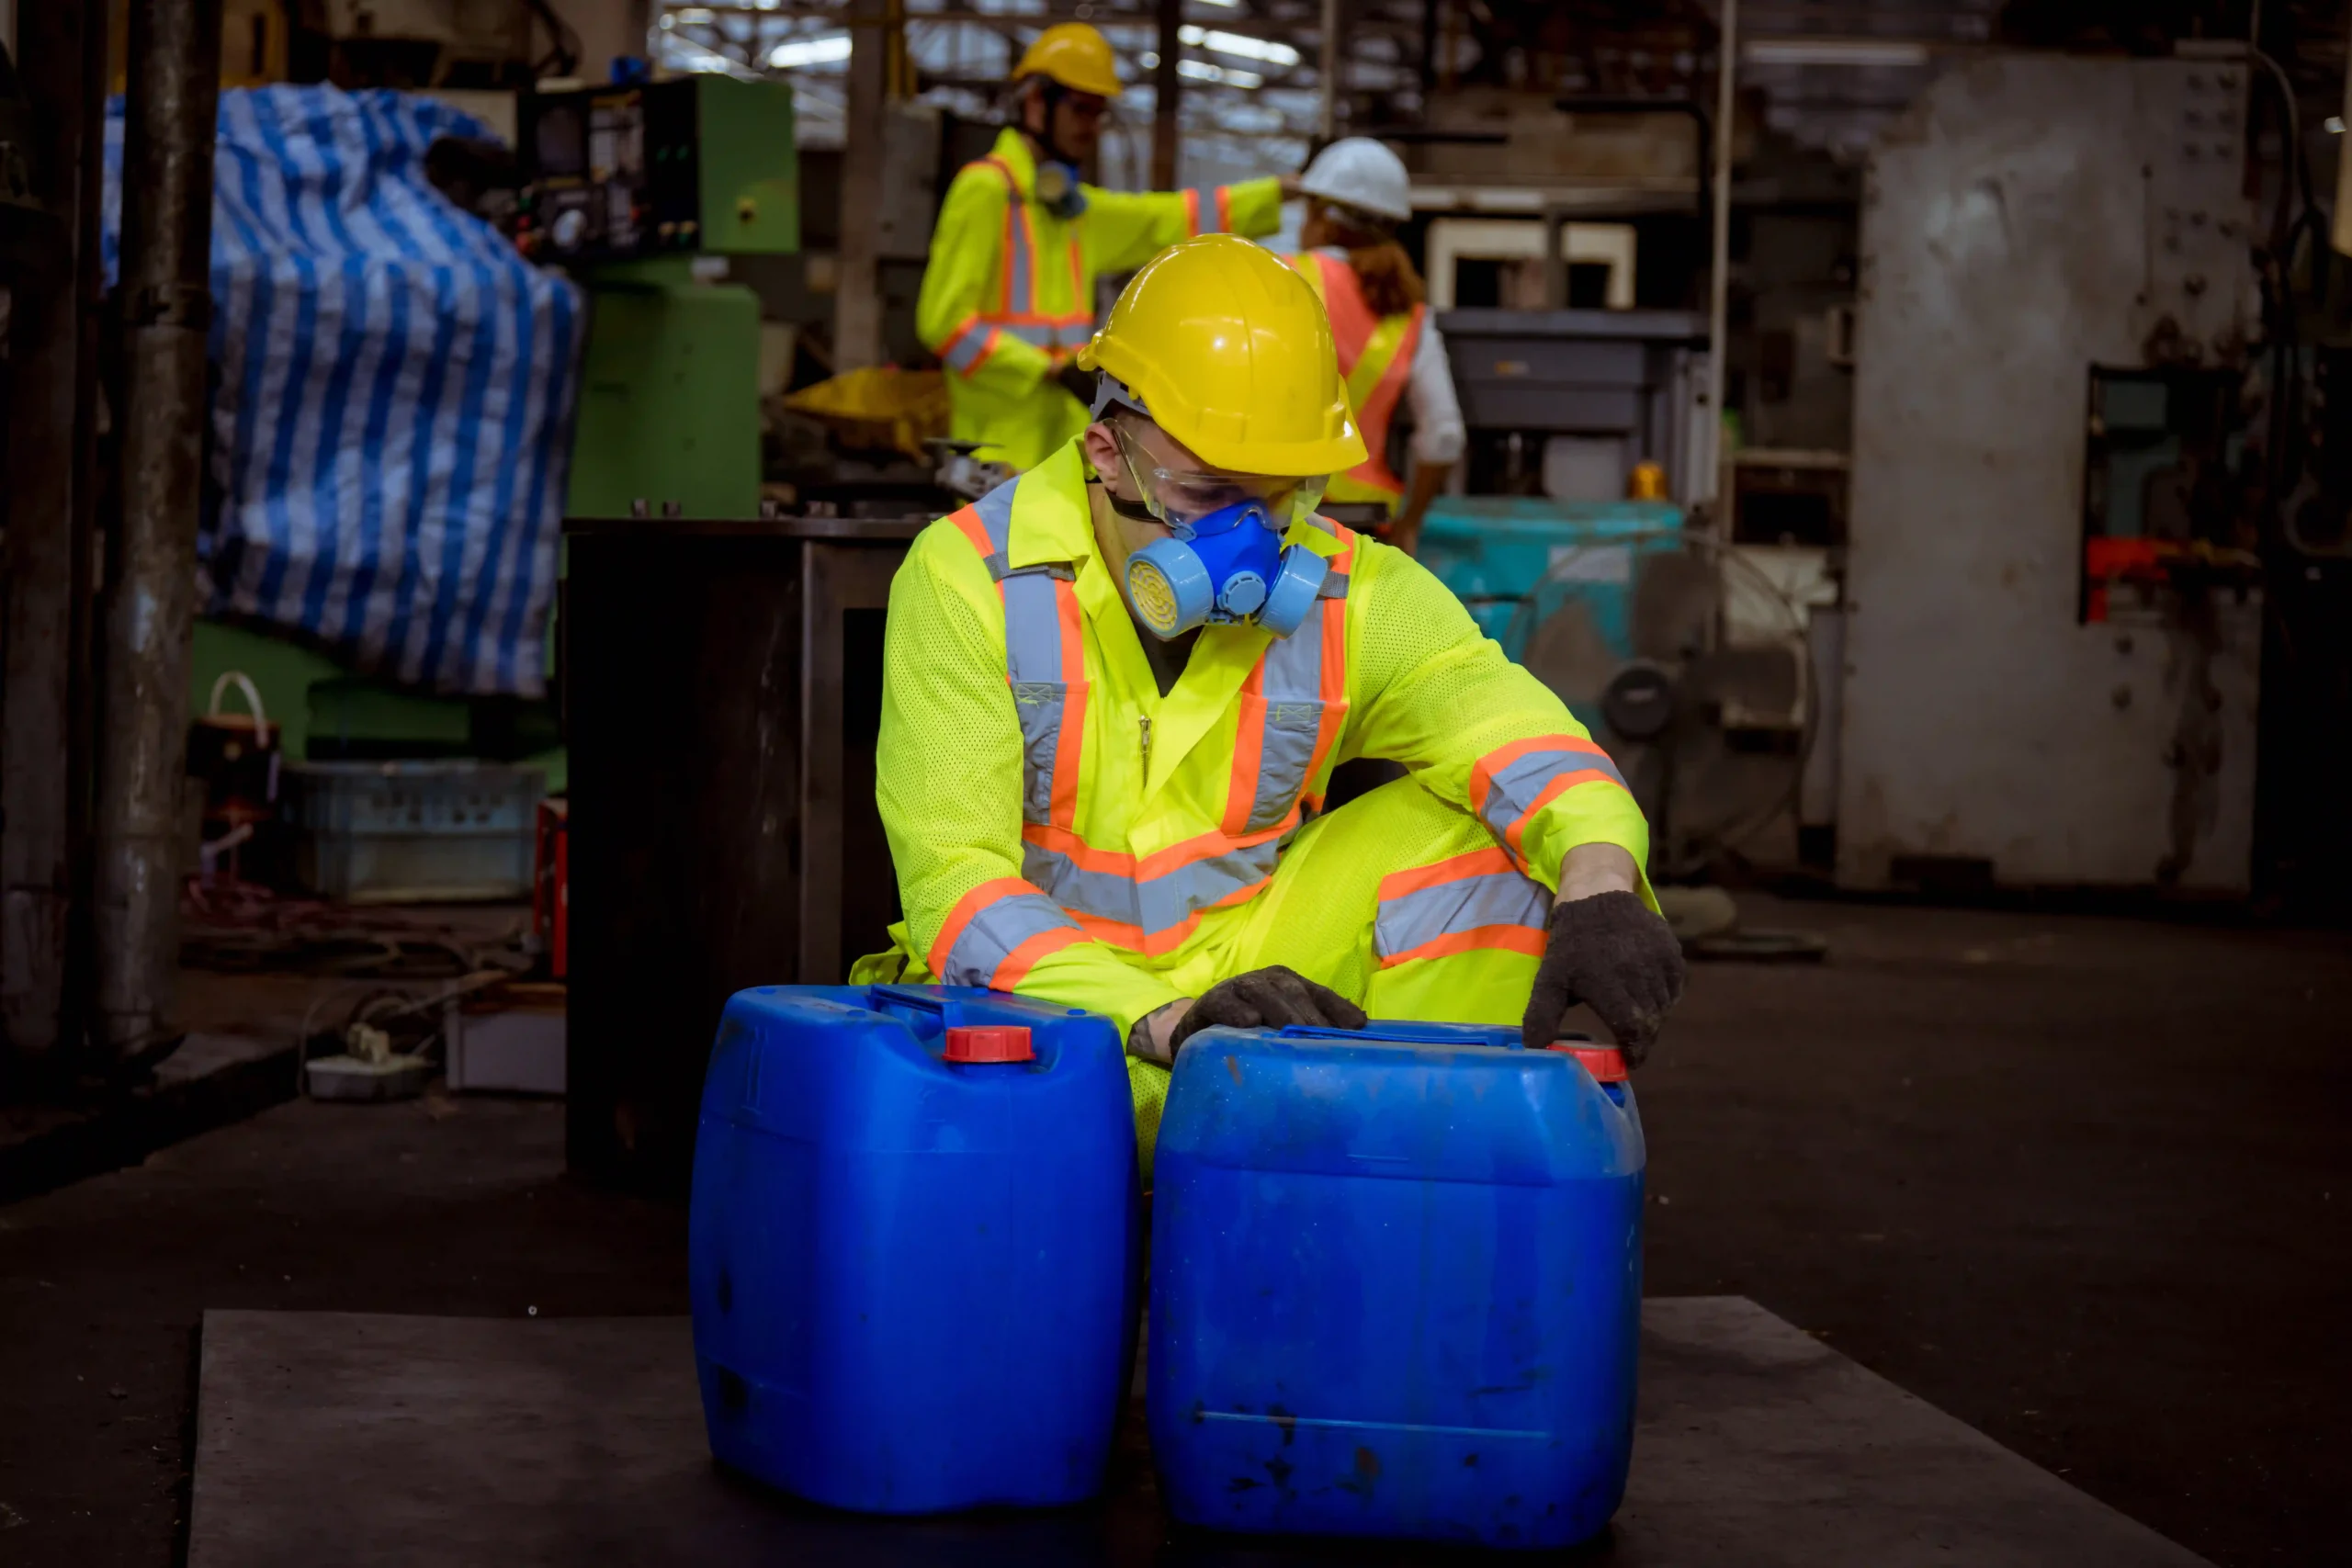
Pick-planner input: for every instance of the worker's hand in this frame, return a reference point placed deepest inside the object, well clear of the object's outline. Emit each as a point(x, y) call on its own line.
point(1610, 951)
point(1263, 999)
point(1294, 187)
point(1079, 384)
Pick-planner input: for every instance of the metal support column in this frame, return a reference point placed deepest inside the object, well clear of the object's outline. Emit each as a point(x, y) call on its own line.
point(1167, 87)
point(45, 569)
point(857, 304)
point(150, 598)
point(1719, 269)
point(1331, 121)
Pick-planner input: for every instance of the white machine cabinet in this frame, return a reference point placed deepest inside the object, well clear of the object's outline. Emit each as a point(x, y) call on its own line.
point(2036, 230)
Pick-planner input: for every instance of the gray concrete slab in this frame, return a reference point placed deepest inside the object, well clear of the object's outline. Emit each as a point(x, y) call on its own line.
point(364, 1439)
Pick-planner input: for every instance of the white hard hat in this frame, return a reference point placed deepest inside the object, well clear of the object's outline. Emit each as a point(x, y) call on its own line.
point(1360, 173)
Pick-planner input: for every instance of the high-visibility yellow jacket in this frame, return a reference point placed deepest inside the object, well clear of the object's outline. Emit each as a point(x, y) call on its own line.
point(1008, 293)
point(1375, 360)
point(1061, 830)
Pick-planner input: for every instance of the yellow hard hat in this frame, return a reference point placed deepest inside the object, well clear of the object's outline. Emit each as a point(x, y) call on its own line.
point(1229, 352)
point(1075, 55)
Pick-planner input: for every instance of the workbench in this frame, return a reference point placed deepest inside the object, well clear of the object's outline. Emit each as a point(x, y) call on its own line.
point(495, 1442)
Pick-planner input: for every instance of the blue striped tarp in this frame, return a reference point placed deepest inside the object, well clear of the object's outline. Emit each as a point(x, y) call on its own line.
point(392, 409)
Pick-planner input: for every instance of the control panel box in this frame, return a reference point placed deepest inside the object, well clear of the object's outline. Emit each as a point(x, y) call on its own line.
point(700, 165)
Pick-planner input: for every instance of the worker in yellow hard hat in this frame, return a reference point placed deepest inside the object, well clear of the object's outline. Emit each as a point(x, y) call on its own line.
point(1008, 297)
point(1115, 687)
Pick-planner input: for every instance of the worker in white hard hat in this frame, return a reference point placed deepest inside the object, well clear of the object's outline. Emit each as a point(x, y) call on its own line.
point(1008, 296)
point(1390, 352)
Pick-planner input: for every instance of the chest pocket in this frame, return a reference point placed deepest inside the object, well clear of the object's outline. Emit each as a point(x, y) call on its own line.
point(1045, 657)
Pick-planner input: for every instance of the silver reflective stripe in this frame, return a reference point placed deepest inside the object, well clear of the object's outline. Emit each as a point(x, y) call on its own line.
point(1498, 898)
point(1294, 693)
point(1514, 790)
point(1033, 334)
point(1160, 903)
point(1032, 629)
point(990, 938)
point(1033, 654)
point(995, 512)
point(1032, 659)
point(1204, 199)
point(967, 350)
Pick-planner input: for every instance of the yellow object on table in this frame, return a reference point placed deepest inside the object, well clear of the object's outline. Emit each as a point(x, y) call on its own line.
point(882, 406)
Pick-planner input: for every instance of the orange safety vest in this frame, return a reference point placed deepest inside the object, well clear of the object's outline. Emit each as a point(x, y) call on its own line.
point(1377, 360)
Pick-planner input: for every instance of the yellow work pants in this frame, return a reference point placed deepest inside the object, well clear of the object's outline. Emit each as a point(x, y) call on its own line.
point(1316, 917)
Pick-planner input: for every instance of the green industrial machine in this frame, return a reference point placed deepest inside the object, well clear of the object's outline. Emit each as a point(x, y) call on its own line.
point(642, 191)
point(639, 191)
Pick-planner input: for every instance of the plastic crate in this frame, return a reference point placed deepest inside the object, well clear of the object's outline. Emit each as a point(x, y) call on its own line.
point(414, 833)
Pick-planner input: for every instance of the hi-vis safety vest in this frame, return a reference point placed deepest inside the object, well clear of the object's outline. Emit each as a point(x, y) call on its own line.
point(1009, 292)
point(1376, 360)
point(1061, 830)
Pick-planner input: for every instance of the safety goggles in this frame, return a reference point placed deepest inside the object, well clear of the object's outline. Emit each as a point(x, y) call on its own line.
point(1181, 497)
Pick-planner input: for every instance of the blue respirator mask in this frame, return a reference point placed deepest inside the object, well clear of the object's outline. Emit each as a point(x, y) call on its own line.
point(1058, 189)
point(1225, 564)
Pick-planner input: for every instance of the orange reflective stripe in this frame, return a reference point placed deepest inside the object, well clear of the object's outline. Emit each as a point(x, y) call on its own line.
point(1225, 209)
point(968, 522)
point(1335, 668)
point(969, 905)
point(1070, 744)
point(1192, 213)
point(1491, 939)
point(1552, 791)
point(1249, 753)
point(1020, 960)
point(1477, 863)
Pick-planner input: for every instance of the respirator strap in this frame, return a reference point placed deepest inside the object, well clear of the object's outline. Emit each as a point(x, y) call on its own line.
point(1335, 586)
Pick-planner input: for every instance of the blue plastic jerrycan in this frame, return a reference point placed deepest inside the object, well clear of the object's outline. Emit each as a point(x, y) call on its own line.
point(1396, 1285)
point(914, 1250)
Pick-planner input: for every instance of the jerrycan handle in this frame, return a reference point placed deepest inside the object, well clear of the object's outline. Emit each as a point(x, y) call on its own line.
point(902, 1000)
point(1384, 1030)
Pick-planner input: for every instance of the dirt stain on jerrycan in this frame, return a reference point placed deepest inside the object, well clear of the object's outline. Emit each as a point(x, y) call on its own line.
point(1396, 1285)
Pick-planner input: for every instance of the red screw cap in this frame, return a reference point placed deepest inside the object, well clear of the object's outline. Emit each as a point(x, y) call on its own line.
point(1605, 1063)
point(989, 1043)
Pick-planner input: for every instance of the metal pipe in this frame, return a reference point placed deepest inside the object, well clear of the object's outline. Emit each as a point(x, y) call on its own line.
point(1330, 69)
point(45, 567)
point(857, 298)
point(1166, 87)
point(1719, 269)
point(150, 600)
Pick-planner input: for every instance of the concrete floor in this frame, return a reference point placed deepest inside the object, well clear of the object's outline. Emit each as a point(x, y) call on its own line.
point(2086, 1184)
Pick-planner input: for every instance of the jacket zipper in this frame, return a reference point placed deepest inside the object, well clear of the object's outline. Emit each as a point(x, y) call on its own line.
point(1146, 721)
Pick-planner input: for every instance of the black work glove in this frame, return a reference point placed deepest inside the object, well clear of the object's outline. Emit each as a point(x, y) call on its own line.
point(1611, 952)
point(1079, 384)
point(1267, 998)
